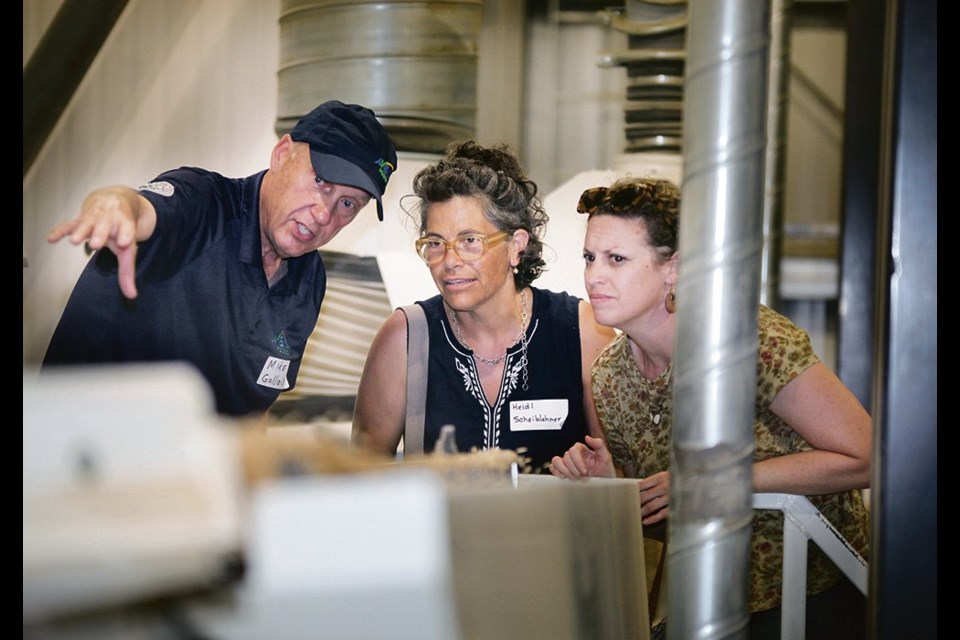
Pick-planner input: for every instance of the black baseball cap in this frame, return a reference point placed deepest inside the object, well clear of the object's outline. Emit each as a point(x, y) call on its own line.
point(348, 145)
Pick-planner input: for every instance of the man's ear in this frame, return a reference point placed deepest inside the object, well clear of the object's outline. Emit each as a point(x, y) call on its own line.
point(281, 151)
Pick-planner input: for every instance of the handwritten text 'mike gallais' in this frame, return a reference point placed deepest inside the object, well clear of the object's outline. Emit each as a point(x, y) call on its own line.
point(537, 418)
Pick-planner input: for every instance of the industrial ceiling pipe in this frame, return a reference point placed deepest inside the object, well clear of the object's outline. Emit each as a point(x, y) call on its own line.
point(716, 350)
point(777, 98)
point(413, 62)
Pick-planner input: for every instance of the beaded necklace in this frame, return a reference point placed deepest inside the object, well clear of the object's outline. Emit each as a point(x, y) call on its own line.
point(521, 338)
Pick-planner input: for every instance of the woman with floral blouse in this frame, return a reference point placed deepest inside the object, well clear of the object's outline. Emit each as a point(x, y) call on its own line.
point(812, 436)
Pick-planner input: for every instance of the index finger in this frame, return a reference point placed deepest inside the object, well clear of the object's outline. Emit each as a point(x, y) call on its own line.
point(127, 265)
point(61, 230)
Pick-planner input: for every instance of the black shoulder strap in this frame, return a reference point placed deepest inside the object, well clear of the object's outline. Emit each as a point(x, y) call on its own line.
point(418, 350)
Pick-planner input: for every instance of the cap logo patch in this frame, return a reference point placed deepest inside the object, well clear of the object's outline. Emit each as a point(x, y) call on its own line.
point(385, 169)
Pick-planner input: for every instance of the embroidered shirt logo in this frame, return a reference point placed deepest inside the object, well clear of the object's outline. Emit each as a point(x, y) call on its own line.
point(162, 188)
point(281, 344)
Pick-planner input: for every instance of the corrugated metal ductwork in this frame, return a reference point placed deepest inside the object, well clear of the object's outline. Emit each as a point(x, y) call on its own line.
point(716, 353)
point(655, 66)
point(413, 63)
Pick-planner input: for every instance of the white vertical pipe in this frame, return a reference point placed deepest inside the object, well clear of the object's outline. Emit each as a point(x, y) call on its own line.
point(717, 293)
point(793, 619)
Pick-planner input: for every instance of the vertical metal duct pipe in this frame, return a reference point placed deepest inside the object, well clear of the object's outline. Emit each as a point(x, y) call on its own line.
point(715, 386)
point(775, 159)
point(414, 63)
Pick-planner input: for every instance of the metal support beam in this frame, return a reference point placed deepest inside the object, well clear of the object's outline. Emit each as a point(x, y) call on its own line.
point(866, 25)
point(59, 63)
point(904, 542)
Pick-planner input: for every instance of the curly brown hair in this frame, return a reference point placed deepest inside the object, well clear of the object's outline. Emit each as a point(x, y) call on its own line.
point(655, 201)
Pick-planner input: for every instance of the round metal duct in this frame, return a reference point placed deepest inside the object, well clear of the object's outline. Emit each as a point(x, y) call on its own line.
point(413, 63)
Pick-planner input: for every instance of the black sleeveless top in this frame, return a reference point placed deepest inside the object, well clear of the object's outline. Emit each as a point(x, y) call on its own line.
point(539, 422)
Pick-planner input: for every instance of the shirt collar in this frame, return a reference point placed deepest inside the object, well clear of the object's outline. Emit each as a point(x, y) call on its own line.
point(250, 245)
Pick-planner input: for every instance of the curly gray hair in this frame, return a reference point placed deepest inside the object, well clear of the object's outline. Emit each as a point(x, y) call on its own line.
point(494, 176)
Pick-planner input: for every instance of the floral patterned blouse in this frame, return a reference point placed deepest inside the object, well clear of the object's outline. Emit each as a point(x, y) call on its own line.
point(636, 416)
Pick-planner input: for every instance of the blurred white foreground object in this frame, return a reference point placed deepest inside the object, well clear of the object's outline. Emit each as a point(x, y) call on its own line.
point(406, 555)
point(131, 487)
point(358, 556)
point(132, 496)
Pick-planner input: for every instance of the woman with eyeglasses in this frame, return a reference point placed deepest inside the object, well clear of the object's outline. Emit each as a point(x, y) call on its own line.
point(508, 364)
point(813, 437)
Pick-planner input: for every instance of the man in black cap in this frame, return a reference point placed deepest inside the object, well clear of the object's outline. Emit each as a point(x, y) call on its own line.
point(220, 272)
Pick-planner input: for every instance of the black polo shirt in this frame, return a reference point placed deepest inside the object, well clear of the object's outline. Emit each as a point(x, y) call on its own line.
point(203, 296)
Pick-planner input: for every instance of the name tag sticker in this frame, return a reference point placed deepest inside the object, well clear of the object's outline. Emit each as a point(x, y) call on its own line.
point(274, 373)
point(538, 415)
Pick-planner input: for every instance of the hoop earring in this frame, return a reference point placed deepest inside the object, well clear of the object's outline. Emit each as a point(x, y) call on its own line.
point(670, 302)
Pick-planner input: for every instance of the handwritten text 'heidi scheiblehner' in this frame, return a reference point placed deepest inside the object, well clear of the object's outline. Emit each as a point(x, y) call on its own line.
point(534, 415)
